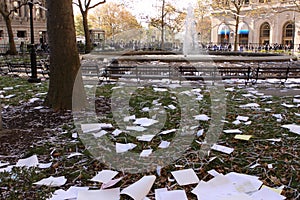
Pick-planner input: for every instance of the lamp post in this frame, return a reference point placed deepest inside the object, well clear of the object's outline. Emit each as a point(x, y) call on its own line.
point(33, 78)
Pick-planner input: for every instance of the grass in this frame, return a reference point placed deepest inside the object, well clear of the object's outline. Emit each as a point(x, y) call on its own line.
point(283, 155)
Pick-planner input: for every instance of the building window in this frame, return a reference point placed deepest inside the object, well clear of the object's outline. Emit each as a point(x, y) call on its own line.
point(21, 34)
point(288, 30)
point(264, 36)
point(1, 33)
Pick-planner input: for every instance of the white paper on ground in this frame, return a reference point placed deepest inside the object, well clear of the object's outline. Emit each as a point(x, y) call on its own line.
point(52, 181)
point(86, 128)
point(267, 194)
point(135, 128)
point(293, 128)
point(120, 148)
point(111, 183)
point(104, 176)
point(200, 133)
point(145, 138)
point(74, 154)
point(185, 177)
point(31, 161)
point(111, 194)
point(202, 117)
point(288, 105)
point(167, 132)
point(250, 105)
point(244, 183)
point(213, 172)
point(222, 148)
point(7, 169)
point(172, 107)
point(145, 121)
point(146, 153)
point(128, 118)
point(164, 144)
point(158, 191)
point(235, 131)
point(44, 165)
point(255, 165)
point(71, 193)
point(236, 122)
point(242, 118)
point(99, 134)
point(116, 132)
point(139, 189)
point(172, 195)
point(160, 89)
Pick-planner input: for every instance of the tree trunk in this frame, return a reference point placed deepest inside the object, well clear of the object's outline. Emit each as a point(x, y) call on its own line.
point(1, 124)
point(162, 25)
point(12, 45)
point(64, 57)
point(237, 21)
point(88, 45)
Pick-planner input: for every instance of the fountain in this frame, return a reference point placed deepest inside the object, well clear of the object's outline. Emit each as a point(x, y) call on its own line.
point(190, 43)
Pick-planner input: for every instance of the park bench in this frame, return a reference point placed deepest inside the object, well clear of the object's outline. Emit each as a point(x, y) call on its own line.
point(23, 67)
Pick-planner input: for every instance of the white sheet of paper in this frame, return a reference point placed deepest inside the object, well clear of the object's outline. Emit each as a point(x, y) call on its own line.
point(116, 132)
point(146, 153)
point(172, 195)
point(139, 189)
point(288, 105)
point(213, 172)
point(293, 128)
point(128, 118)
point(104, 176)
point(202, 117)
point(244, 183)
point(31, 161)
point(172, 107)
point(145, 138)
point(267, 194)
point(74, 154)
point(242, 118)
point(185, 177)
point(167, 132)
point(99, 134)
point(71, 193)
point(52, 181)
point(44, 165)
point(111, 194)
point(135, 128)
point(160, 89)
point(158, 191)
point(222, 148)
point(250, 105)
point(145, 121)
point(86, 128)
point(242, 137)
point(111, 183)
point(200, 133)
point(236, 122)
point(120, 148)
point(235, 131)
point(164, 144)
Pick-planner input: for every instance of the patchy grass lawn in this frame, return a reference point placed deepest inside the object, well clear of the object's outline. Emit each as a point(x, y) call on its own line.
point(32, 129)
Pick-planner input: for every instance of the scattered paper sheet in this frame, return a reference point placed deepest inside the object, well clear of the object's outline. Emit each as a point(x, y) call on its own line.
point(158, 191)
point(288, 105)
point(202, 117)
point(171, 195)
point(234, 131)
point(99, 134)
point(146, 153)
point(185, 177)
point(172, 107)
point(128, 118)
point(242, 118)
point(74, 154)
point(277, 190)
point(145, 121)
point(267, 194)
point(86, 128)
point(145, 138)
point(111, 194)
point(44, 165)
point(213, 172)
point(52, 181)
point(71, 193)
point(292, 128)
point(244, 183)
point(223, 149)
point(116, 132)
point(250, 105)
point(32, 161)
point(104, 176)
point(242, 137)
point(167, 132)
point(139, 189)
point(200, 133)
point(111, 183)
point(160, 89)
point(135, 128)
point(255, 165)
point(120, 148)
point(164, 144)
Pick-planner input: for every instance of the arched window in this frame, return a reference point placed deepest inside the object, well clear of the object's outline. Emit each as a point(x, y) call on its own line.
point(264, 36)
point(288, 33)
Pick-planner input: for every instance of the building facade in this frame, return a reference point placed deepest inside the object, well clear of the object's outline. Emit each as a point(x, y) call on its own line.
point(20, 19)
point(261, 23)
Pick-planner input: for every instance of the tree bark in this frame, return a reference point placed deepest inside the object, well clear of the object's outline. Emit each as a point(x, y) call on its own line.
point(88, 45)
point(64, 56)
point(162, 25)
